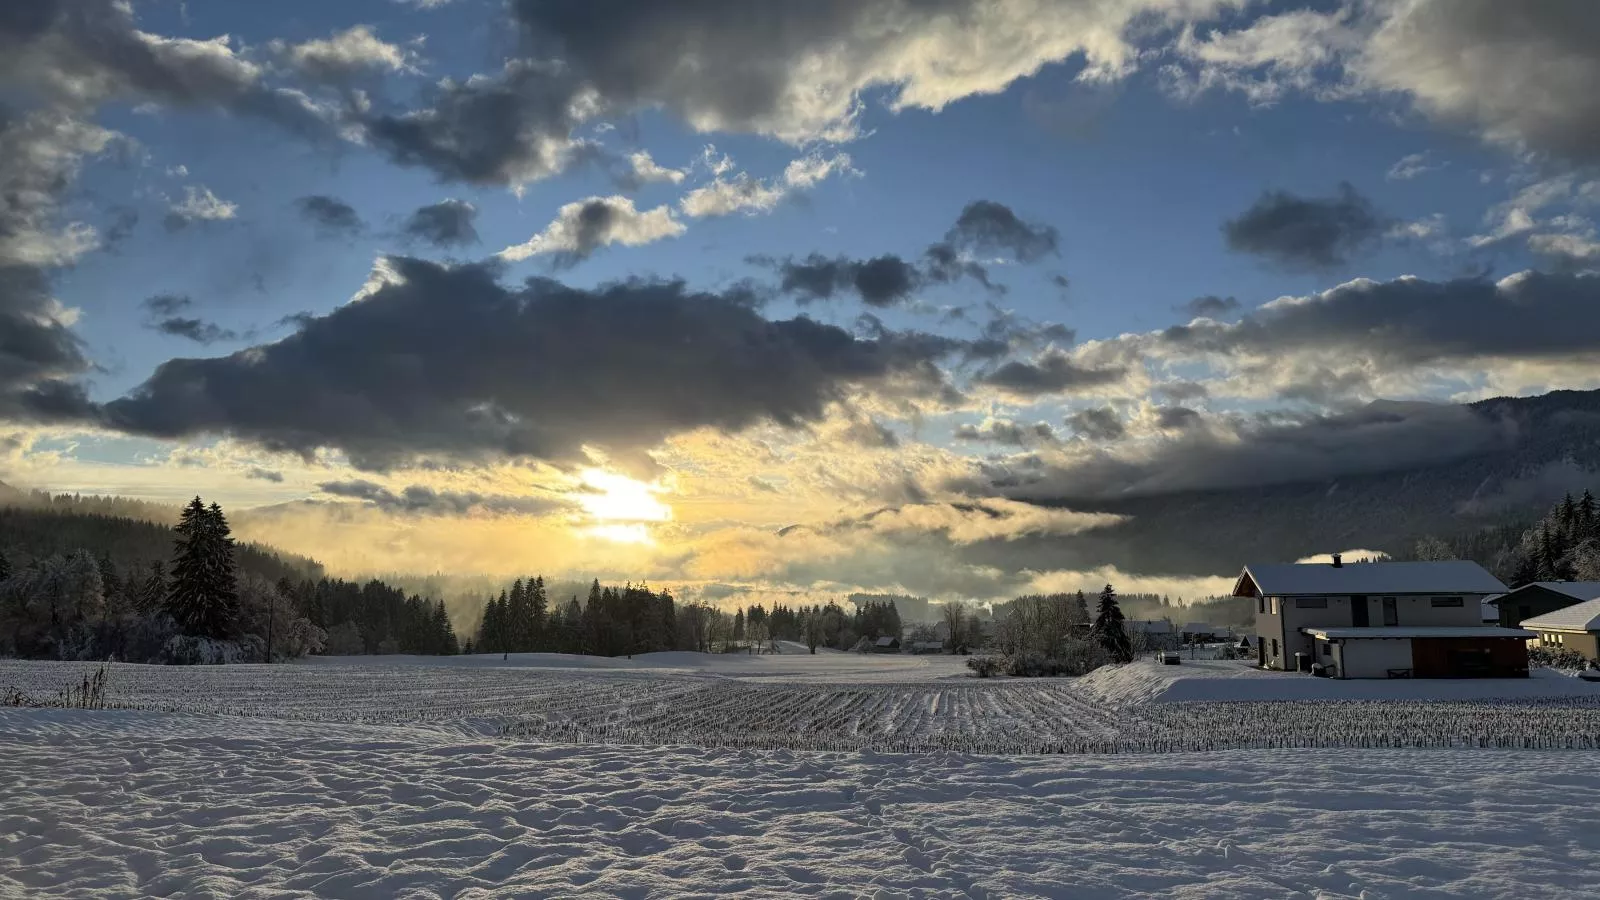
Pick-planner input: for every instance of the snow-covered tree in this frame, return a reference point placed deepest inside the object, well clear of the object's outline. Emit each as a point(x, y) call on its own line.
point(1109, 631)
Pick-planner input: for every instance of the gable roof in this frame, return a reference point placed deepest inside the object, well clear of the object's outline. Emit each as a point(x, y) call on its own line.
point(1577, 590)
point(1583, 616)
point(1435, 577)
point(886, 641)
point(1148, 626)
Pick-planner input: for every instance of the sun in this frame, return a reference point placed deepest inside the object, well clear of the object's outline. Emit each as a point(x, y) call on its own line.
point(619, 508)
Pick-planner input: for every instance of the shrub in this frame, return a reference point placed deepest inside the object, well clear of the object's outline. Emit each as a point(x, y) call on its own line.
point(188, 650)
point(1556, 658)
point(986, 666)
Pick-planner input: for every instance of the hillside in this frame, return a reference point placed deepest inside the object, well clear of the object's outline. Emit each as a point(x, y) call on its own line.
point(32, 531)
point(1556, 450)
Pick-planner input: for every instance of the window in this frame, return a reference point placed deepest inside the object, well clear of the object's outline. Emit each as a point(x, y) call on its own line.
point(1391, 612)
point(1327, 650)
point(1261, 604)
point(1311, 603)
point(1275, 608)
point(1453, 602)
point(1274, 648)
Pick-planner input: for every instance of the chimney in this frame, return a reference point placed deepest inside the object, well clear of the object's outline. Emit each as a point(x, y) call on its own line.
point(1337, 562)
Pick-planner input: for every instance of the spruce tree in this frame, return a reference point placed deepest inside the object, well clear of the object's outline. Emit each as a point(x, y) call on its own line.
point(5, 567)
point(517, 618)
point(204, 599)
point(538, 616)
point(1109, 630)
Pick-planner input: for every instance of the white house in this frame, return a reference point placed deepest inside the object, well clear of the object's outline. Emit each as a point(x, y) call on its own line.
point(1575, 628)
point(1381, 619)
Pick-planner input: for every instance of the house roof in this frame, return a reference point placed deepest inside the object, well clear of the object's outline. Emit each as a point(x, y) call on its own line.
point(1577, 590)
point(885, 641)
point(1423, 631)
point(1441, 577)
point(1583, 616)
point(1201, 628)
point(1148, 626)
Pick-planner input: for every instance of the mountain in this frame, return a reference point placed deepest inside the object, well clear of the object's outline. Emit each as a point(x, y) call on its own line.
point(1555, 449)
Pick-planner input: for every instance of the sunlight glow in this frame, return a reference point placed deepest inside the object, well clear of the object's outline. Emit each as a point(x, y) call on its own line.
point(621, 534)
point(618, 498)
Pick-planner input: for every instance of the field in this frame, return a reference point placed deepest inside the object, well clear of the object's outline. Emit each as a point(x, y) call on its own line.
point(845, 702)
point(678, 775)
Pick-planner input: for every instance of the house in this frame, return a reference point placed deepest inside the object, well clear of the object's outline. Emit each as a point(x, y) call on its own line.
point(1151, 634)
point(1541, 597)
point(926, 647)
point(1202, 633)
point(1575, 627)
point(886, 644)
point(1381, 620)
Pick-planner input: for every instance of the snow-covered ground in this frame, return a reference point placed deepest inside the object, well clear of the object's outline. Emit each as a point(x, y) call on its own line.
point(1240, 681)
point(138, 804)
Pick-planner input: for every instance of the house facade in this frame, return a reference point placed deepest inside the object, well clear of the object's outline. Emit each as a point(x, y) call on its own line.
point(1575, 627)
point(1381, 620)
point(1541, 597)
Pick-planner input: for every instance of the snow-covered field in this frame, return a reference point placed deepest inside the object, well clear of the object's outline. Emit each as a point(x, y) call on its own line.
point(681, 775)
point(129, 804)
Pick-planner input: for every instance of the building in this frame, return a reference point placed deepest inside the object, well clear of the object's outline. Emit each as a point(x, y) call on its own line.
point(886, 644)
point(1151, 634)
point(1575, 627)
point(1381, 620)
point(1539, 598)
point(1202, 633)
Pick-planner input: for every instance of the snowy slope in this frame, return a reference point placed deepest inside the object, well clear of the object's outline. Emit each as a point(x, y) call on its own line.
point(123, 804)
point(1234, 681)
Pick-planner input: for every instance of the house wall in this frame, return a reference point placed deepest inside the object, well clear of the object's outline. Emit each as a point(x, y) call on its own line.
point(1358, 658)
point(1269, 631)
point(1583, 642)
point(1335, 611)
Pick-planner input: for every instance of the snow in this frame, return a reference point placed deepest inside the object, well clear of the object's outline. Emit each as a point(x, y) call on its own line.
point(1417, 631)
point(133, 804)
point(1583, 616)
point(1373, 578)
point(1239, 681)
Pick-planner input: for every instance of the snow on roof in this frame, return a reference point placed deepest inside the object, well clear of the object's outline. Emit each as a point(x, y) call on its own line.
point(1201, 628)
point(1434, 631)
point(1442, 577)
point(1577, 590)
point(1583, 616)
point(1148, 626)
point(886, 641)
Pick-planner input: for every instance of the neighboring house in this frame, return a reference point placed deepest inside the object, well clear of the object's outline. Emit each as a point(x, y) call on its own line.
point(1540, 597)
point(1381, 619)
point(1575, 627)
point(1154, 634)
point(1202, 633)
point(926, 646)
point(886, 644)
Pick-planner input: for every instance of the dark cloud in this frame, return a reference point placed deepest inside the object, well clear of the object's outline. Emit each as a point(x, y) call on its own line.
point(265, 475)
point(444, 360)
point(1257, 451)
point(1004, 431)
point(1306, 232)
point(166, 304)
point(883, 281)
point(419, 499)
point(1182, 391)
point(1210, 307)
point(1176, 418)
point(1102, 424)
point(447, 223)
point(984, 226)
point(329, 214)
point(1052, 372)
point(197, 330)
point(988, 227)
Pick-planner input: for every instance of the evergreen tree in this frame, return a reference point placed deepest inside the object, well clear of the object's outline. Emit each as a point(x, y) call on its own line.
point(538, 615)
point(204, 598)
point(5, 567)
point(517, 618)
point(1080, 613)
point(1109, 630)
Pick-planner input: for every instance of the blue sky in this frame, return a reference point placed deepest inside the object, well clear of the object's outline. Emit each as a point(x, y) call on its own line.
point(1420, 196)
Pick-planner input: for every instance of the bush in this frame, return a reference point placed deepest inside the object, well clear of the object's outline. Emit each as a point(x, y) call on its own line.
point(1556, 658)
point(986, 666)
point(188, 650)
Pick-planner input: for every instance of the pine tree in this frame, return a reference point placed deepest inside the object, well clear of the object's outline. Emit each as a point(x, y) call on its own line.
point(204, 598)
point(1080, 617)
point(443, 635)
point(516, 622)
point(153, 592)
point(5, 567)
point(1109, 630)
point(538, 616)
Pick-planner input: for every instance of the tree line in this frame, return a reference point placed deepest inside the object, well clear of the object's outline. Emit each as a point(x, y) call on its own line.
point(1054, 634)
point(198, 605)
point(1562, 545)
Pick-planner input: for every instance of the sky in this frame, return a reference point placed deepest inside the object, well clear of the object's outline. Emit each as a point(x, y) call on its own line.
point(770, 298)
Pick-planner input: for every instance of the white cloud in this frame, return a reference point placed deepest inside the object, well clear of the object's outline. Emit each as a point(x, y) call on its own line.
point(347, 53)
point(582, 227)
point(743, 193)
point(200, 205)
point(1411, 166)
point(646, 169)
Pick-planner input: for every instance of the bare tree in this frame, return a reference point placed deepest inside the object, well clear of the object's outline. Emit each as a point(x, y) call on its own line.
point(955, 618)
